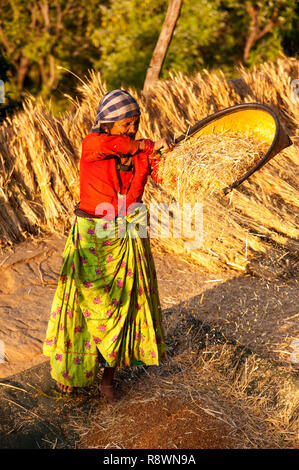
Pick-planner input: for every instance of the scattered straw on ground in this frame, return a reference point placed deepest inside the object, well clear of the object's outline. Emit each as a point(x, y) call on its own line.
point(220, 398)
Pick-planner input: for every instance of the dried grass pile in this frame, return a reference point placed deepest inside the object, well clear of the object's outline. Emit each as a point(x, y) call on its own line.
point(39, 164)
point(38, 174)
point(208, 377)
point(206, 164)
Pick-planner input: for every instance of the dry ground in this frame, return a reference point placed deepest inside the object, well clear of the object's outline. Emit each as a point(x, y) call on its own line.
point(199, 398)
point(228, 381)
point(259, 312)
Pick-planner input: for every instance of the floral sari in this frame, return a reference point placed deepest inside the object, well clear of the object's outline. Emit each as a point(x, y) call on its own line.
point(106, 308)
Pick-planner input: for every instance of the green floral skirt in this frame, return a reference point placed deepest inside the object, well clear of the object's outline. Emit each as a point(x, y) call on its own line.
point(106, 307)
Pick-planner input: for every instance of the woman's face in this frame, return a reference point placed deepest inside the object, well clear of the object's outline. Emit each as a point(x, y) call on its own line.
point(127, 126)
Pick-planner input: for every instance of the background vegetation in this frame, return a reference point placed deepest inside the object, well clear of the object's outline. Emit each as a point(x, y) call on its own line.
point(251, 240)
point(252, 235)
point(40, 40)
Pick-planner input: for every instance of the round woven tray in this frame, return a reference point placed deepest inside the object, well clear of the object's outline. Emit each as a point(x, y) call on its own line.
point(256, 118)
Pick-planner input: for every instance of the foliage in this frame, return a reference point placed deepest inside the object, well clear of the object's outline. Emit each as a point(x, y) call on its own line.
point(4, 66)
point(208, 34)
point(36, 37)
point(268, 47)
point(39, 40)
point(290, 41)
point(126, 38)
point(126, 49)
point(10, 105)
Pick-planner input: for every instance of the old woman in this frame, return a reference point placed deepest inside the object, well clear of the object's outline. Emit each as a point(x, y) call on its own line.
point(106, 309)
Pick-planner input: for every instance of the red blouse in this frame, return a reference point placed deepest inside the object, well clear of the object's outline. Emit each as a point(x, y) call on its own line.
point(98, 178)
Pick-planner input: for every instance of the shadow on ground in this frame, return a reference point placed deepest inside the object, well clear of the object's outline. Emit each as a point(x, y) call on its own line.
point(247, 313)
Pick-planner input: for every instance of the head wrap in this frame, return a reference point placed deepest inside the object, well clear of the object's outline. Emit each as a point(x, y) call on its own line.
point(115, 106)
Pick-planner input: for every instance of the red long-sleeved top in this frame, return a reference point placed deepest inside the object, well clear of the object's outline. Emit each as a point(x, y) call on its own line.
point(98, 177)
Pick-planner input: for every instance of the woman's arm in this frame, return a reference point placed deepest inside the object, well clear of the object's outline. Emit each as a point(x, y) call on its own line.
point(159, 146)
point(97, 147)
point(162, 145)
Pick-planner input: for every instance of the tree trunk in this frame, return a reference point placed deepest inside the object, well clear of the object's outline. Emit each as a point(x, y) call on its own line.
point(22, 71)
point(159, 54)
point(255, 32)
point(52, 79)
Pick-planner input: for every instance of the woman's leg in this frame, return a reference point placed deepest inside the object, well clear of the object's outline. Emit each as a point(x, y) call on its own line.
point(64, 388)
point(106, 385)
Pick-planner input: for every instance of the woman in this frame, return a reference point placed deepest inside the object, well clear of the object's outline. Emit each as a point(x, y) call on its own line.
point(106, 308)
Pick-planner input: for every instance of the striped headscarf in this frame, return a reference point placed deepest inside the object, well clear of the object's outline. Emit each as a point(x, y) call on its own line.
point(115, 106)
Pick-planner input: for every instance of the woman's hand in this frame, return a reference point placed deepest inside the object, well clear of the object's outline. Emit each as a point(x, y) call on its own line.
point(163, 145)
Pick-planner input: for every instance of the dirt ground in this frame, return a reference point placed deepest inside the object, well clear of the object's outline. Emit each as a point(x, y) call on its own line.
point(259, 313)
point(28, 280)
point(34, 415)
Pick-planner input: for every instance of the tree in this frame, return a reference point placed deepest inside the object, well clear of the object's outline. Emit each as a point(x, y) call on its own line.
point(125, 39)
point(290, 41)
point(117, 38)
point(256, 32)
point(130, 29)
point(258, 28)
point(158, 57)
point(35, 37)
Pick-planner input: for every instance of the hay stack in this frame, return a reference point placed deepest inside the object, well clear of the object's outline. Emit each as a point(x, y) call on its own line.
point(39, 173)
point(39, 164)
point(203, 166)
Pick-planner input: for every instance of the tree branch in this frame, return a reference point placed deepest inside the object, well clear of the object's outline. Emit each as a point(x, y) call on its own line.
point(52, 78)
point(33, 16)
point(22, 71)
point(159, 54)
point(59, 22)
point(255, 32)
point(273, 22)
point(45, 12)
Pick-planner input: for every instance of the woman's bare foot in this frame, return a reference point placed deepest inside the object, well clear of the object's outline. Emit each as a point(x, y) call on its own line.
point(106, 386)
point(64, 388)
point(108, 392)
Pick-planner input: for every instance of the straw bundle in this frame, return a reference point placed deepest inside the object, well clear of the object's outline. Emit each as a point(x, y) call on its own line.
point(38, 173)
point(39, 165)
point(204, 165)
